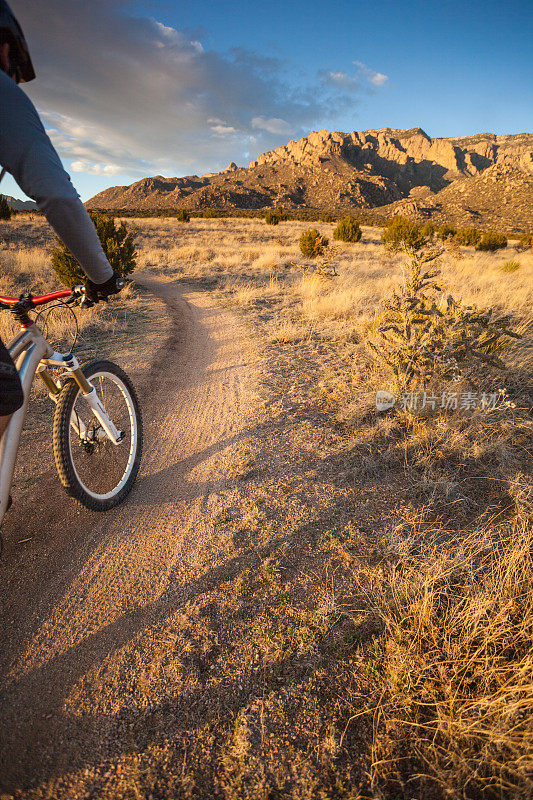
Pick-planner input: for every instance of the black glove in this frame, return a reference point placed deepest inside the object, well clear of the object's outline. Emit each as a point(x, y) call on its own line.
point(101, 291)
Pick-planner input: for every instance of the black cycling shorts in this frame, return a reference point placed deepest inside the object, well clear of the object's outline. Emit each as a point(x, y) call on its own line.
point(11, 396)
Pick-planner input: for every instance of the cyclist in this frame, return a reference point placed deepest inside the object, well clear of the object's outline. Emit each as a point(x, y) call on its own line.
point(28, 154)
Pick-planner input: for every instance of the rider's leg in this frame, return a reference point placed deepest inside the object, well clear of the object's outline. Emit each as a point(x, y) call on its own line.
point(11, 395)
point(4, 422)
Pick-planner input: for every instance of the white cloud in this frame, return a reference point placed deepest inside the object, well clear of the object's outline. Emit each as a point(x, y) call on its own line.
point(379, 79)
point(375, 78)
point(340, 80)
point(273, 125)
point(140, 96)
point(224, 130)
point(95, 169)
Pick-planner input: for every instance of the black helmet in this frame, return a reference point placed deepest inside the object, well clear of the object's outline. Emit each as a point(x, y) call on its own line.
point(21, 68)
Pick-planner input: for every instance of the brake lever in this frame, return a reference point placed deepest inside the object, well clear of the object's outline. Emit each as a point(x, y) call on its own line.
point(79, 297)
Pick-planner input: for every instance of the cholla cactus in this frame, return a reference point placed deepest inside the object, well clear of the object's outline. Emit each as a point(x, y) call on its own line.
point(421, 336)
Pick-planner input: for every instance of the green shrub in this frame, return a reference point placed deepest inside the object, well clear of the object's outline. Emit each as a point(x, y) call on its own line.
point(348, 230)
point(401, 233)
point(312, 244)
point(183, 215)
point(526, 241)
point(117, 243)
point(446, 232)
point(328, 217)
point(467, 236)
point(5, 208)
point(421, 342)
point(510, 266)
point(272, 217)
point(492, 241)
point(210, 213)
point(428, 229)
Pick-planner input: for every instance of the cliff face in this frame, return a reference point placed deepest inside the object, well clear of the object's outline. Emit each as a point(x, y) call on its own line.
point(410, 158)
point(498, 197)
point(340, 171)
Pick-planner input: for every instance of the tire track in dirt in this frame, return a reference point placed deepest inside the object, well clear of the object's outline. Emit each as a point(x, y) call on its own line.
point(107, 577)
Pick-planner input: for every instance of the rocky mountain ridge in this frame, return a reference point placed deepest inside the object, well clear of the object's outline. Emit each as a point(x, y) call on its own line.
point(20, 205)
point(409, 157)
point(368, 170)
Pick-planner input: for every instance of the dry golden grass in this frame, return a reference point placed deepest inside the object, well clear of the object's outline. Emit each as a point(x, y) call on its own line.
point(451, 692)
point(456, 665)
point(25, 266)
point(371, 634)
point(247, 250)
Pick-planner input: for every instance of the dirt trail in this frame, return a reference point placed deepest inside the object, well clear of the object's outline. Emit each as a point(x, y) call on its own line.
point(87, 583)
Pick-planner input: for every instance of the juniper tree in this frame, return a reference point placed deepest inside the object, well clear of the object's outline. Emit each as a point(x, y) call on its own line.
point(5, 208)
point(117, 243)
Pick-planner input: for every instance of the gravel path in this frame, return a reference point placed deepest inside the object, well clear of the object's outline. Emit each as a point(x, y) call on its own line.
point(85, 584)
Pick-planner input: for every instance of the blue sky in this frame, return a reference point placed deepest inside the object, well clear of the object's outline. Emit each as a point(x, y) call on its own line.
point(130, 89)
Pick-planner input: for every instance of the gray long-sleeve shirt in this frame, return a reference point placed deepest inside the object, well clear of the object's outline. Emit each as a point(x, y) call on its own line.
point(28, 154)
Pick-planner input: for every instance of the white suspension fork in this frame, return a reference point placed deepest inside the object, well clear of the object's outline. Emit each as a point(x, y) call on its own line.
point(89, 395)
point(102, 416)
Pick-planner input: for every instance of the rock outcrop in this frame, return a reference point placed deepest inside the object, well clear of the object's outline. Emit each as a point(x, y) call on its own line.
point(378, 169)
point(410, 157)
point(499, 197)
point(20, 205)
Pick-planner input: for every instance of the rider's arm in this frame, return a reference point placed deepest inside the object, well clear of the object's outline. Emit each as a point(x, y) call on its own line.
point(28, 154)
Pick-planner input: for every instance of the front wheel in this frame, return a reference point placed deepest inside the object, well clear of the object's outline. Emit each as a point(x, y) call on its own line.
point(95, 471)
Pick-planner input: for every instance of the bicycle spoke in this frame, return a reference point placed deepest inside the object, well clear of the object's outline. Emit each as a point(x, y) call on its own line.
point(99, 463)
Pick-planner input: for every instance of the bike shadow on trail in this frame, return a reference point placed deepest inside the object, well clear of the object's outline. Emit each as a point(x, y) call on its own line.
point(170, 483)
point(29, 741)
point(49, 539)
point(44, 570)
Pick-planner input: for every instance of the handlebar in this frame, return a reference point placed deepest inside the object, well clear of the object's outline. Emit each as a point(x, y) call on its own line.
point(39, 300)
point(29, 300)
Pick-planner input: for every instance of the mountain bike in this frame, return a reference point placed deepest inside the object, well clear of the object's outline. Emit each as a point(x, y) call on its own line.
point(97, 426)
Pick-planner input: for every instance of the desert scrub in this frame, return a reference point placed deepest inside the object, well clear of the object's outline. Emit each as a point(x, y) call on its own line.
point(5, 208)
point(272, 218)
point(428, 229)
point(423, 337)
point(348, 230)
point(492, 241)
point(510, 266)
point(312, 243)
point(467, 236)
point(446, 232)
point(183, 216)
point(453, 673)
point(401, 232)
point(118, 245)
point(324, 266)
